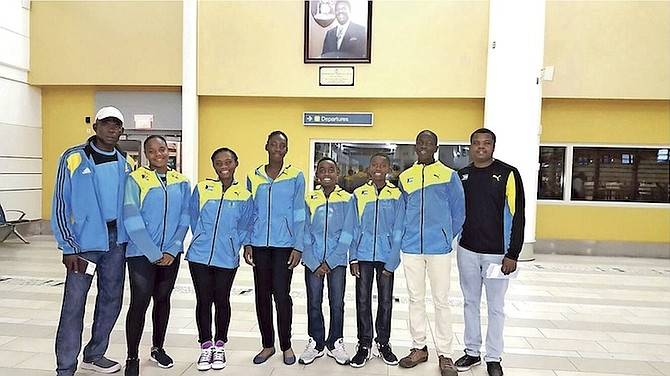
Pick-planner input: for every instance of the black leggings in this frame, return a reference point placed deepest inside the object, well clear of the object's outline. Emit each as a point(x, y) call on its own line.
point(212, 286)
point(148, 281)
point(272, 279)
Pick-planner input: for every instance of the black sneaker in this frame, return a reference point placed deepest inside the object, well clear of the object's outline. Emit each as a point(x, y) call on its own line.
point(466, 362)
point(386, 354)
point(132, 367)
point(494, 369)
point(161, 358)
point(361, 357)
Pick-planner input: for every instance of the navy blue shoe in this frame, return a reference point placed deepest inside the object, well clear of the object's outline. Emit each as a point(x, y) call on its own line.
point(258, 359)
point(289, 360)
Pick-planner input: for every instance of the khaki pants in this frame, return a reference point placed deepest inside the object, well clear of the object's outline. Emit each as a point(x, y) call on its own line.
point(438, 268)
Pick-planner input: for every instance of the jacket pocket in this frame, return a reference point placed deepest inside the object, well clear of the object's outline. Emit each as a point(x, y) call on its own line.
point(195, 238)
point(288, 228)
point(444, 233)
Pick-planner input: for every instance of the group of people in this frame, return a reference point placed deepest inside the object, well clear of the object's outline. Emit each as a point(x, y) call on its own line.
point(146, 212)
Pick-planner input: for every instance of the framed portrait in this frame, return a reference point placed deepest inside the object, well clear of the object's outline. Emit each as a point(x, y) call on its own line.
point(338, 31)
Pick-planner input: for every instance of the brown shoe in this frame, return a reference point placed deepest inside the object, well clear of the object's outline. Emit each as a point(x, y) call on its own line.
point(415, 357)
point(447, 367)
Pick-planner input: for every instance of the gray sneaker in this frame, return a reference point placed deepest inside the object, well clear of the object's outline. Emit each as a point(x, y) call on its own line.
point(339, 353)
point(102, 365)
point(310, 353)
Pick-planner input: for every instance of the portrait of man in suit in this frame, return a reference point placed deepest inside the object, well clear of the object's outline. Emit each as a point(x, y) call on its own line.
point(346, 39)
point(335, 32)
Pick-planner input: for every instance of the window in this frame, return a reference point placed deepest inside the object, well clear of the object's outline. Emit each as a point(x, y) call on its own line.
point(353, 159)
point(639, 175)
point(550, 181)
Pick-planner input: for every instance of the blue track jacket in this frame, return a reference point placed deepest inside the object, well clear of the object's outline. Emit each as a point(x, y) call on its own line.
point(325, 239)
point(435, 208)
point(155, 214)
point(378, 225)
point(220, 223)
point(76, 217)
point(279, 208)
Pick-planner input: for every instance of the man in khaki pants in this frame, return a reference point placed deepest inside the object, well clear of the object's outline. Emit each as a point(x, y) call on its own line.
point(435, 212)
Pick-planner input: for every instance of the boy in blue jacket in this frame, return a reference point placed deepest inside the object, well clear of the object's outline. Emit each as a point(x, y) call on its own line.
point(378, 224)
point(325, 257)
point(434, 215)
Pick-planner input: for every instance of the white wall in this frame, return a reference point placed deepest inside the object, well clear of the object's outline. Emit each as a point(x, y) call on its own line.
point(20, 115)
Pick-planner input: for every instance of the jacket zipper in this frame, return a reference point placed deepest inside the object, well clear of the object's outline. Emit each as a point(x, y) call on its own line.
point(325, 233)
point(164, 186)
point(269, 199)
point(423, 169)
point(374, 233)
point(216, 225)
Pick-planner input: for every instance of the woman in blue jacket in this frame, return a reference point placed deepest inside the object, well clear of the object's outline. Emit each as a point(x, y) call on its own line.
point(276, 242)
point(155, 214)
point(221, 212)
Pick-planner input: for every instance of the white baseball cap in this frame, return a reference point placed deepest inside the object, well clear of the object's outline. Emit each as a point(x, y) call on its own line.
point(109, 111)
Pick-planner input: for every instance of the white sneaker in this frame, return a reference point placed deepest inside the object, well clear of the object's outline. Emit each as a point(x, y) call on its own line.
point(310, 353)
point(339, 353)
point(205, 359)
point(219, 356)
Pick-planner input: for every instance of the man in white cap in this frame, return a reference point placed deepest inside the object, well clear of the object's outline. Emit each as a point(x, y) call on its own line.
point(87, 221)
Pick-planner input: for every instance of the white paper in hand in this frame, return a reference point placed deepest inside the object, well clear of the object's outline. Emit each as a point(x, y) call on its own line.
point(494, 271)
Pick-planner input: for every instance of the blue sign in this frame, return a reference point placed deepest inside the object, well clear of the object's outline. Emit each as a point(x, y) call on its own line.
point(337, 118)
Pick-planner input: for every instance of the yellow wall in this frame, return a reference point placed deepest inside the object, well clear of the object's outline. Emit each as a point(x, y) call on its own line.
point(105, 43)
point(608, 49)
point(627, 122)
point(243, 123)
point(419, 49)
point(622, 122)
point(601, 223)
point(64, 110)
point(428, 49)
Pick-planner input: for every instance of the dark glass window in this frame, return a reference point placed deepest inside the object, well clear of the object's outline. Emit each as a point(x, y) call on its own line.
point(620, 174)
point(353, 158)
point(550, 181)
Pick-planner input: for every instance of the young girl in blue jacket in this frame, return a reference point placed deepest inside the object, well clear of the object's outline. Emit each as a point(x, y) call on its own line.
point(221, 212)
point(276, 243)
point(155, 212)
point(325, 257)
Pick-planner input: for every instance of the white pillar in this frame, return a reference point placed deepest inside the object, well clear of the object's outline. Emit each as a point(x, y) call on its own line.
point(189, 94)
point(513, 101)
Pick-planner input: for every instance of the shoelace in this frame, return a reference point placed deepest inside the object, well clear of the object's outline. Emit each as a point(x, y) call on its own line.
point(205, 355)
point(219, 355)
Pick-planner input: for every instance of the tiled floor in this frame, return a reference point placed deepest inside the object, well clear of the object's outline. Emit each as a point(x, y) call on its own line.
point(566, 316)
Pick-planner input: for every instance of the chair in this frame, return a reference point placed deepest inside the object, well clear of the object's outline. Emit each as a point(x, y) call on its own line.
point(9, 227)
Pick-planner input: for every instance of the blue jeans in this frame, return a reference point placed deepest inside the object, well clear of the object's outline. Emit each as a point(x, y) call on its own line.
point(315, 323)
point(368, 270)
point(110, 274)
point(472, 273)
